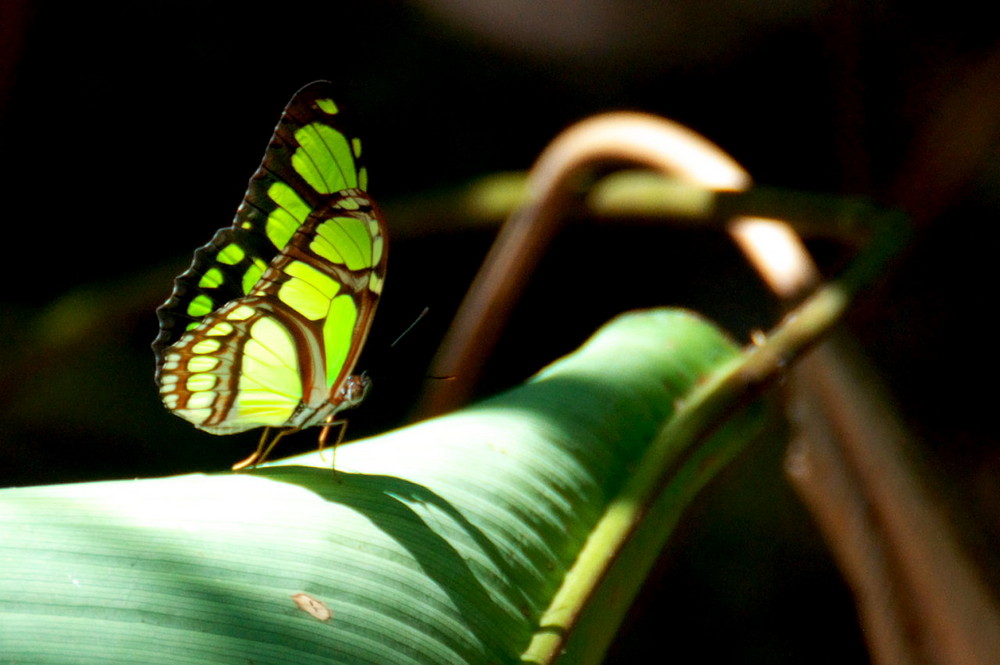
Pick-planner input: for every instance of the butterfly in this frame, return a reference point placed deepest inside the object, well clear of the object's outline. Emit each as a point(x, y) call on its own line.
point(265, 327)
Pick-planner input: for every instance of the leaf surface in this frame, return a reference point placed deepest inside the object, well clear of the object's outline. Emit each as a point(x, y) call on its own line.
point(443, 542)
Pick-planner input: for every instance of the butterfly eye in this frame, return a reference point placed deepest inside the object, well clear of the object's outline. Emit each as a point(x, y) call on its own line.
point(355, 389)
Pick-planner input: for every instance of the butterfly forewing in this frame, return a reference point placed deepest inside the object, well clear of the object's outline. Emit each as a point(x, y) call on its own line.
point(267, 324)
point(309, 139)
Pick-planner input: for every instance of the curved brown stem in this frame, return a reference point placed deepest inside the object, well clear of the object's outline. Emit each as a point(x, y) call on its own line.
point(919, 597)
point(632, 138)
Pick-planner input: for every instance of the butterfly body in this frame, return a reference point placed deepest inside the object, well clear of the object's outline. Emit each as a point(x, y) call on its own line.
point(265, 327)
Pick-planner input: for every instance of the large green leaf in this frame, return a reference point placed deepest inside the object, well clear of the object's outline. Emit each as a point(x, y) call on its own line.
point(444, 542)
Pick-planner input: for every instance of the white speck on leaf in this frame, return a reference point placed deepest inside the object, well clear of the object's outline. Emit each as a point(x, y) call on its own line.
point(312, 605)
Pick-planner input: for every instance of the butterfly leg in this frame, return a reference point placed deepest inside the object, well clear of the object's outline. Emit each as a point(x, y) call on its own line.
point(264, 448)
point(341, 426)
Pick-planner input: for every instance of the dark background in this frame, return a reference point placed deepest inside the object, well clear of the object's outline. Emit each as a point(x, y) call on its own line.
point(128, 131)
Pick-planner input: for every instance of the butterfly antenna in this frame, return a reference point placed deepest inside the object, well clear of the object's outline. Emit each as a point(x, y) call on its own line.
point(410, 327)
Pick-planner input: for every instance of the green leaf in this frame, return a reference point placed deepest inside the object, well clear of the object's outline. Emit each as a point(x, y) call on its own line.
point(444, 542)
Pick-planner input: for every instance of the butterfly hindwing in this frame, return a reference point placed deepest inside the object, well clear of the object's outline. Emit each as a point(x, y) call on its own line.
point(266, 325)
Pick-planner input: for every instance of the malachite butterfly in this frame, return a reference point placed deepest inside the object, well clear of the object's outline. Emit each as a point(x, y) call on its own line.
point(265, 327)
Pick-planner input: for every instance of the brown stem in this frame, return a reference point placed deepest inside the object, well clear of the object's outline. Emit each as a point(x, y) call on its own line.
point(632, 138)
point(918, 595)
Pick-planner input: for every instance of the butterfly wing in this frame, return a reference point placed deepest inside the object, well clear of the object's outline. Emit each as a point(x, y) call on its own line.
point(266, 325)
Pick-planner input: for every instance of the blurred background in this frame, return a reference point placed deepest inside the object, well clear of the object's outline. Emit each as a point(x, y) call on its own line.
point(128, 132)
